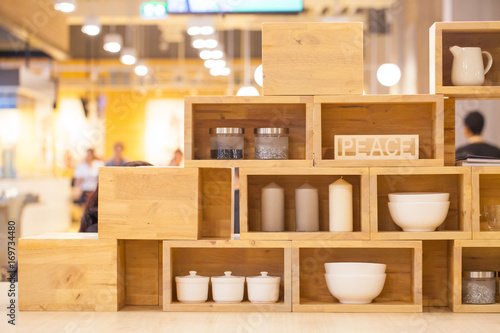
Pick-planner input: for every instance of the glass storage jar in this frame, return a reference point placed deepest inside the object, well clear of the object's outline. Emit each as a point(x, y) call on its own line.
point(271, 143)
point(478, 287)
point(226, 143)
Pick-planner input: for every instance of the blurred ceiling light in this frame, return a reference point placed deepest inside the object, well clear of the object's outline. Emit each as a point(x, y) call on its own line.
point(211, 43)
point(216, 71)
point(199, 43)
point(388, 74)
point(91, 26)
point(210, 63)
point(220, 63)
point(153, 10)
point(128, 56)
point(247, 91)
point(113, 42)
point(65, 6)
point(217, 54)
point(206, 54)
point(258, 75)
point(141, 69)
point(193, 31)
point(225, 71)
point(206, 30)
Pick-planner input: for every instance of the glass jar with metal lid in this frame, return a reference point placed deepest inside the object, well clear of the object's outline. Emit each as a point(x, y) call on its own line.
point(271, 143)
point(478, 287)
point(227, 143)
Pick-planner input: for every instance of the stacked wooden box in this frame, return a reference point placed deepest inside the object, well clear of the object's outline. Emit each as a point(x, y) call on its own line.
point(157, 223)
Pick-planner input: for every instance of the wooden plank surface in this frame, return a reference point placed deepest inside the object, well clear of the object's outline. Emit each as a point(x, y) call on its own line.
point(141, 272)
point(312, 58)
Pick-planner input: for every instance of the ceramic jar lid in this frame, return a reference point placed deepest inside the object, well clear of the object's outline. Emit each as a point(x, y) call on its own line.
point(228, 278)
point(263, 278)
point(192, 278)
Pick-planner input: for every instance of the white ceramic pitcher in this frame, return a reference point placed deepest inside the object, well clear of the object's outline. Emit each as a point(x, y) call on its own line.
point(467, 68)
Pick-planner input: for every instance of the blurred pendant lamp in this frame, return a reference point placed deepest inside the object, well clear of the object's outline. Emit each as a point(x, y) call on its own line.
point(140, 68)
point(128, 55)
point(65, 6)
point(113, 41)
point(91, 25)
point(247, 89)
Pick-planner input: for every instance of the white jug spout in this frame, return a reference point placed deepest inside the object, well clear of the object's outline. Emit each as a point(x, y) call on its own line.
point(455, 50)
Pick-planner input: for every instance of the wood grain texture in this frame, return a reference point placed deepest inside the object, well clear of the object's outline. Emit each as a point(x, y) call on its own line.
point(421, 115)
point(312, 58)
point(454, 180)
point(141, 272)
point(449, 131)
point(212, 258)
point(435, 279)
point(253, 180)
point(203, 113)
point(402, 290)
point(69, 275)
point(485, 191)
point(164, 203)
point(443, 35)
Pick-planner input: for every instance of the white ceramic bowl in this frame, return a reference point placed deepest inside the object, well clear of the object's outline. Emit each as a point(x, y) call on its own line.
point(354, 268)
point(419, 216)
point(355, 289)
point(419, 197)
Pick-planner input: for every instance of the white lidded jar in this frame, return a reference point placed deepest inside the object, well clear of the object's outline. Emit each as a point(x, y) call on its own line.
point(228, 289)
point(263, 288)
point(192, 288)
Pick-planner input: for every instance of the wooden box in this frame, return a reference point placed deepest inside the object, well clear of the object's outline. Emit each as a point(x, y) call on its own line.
point(403, 286)
point(253, 180)
point(70, 272)
point(436, 274)
point(212, 258)
point(165, 203)
point(312, 58)
point(420, 115)
point(473, 255)
point(203, 113)
point(443, 35)
point(485, 191)
point(454, 180)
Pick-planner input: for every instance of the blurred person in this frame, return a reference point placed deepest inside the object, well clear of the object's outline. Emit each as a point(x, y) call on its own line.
point(88, 223)
point(474, 123)
point(117, 159)
point(86, 176)
point(178, 157)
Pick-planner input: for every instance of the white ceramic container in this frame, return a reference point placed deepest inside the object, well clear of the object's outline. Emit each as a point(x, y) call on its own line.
point(419, 216)
point(354, 268)
point(468, 68)
point(228, 288)
point(192, 288)
point(419, 197)
point(355, 289)
point(263, 288)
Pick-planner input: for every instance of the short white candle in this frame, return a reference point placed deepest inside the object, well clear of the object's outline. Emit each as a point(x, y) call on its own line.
point(340, 205)
point(272, 208)
point(306, 208)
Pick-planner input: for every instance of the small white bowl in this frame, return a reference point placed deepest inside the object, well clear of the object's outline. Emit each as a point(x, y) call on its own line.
point(354, 268)
point(419, 197)
point(419, 216)
point(355, 289)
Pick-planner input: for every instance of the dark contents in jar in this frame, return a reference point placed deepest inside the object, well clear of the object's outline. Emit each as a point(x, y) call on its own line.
point(226, 154)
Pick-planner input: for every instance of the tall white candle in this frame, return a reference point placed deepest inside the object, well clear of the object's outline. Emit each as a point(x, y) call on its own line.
point(306, 208)
point(340, 205)
point(272, 208)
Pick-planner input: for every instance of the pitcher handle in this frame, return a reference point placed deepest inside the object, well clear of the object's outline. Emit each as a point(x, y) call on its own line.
point(490, 61)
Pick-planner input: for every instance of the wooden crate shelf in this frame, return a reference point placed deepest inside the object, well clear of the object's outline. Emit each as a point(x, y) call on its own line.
point(212, 258)
point(455, 180)
point(485, 191)
point(473, 255)
point(253, 180)
point(421, 115)
point(443, 35)
point(203, 113)
point(165, 203)
point(402, 290)
point(436, 274)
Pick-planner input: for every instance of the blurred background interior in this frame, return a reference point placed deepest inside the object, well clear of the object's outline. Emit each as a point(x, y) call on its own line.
point(63, 90)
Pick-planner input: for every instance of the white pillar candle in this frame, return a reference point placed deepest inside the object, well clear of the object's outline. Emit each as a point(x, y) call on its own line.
point(272, 208)
point(340, 205)
point(306, 208)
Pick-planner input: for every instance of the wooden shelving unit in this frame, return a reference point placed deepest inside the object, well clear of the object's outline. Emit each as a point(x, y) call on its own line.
point(421, 115)
point(165, 203)
point(402, 290)
point(485, 191)
point(473, 255)
point(455, 180)
point(443, 35)
point(253, 180)
point(203, 113)
point(212, 258)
